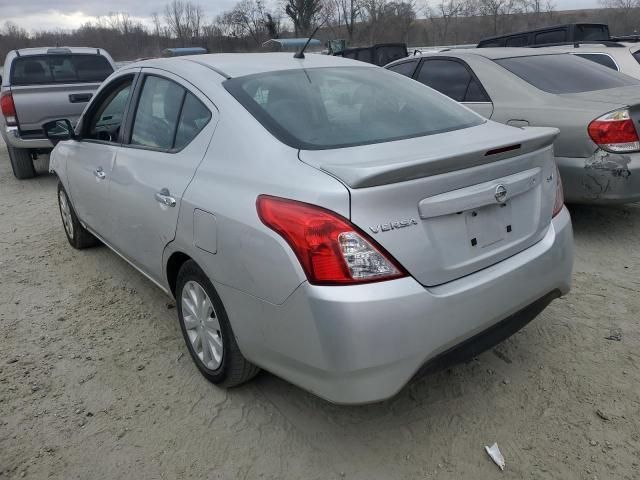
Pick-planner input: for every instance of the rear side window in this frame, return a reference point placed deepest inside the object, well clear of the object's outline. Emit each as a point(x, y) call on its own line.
point(565, 73)
point(453, 79)
point(600, 58)
point(43, 69)
point(405, 68)
point(554, 36)
point(636, 55)
point(157, 114)
point(389, 53)
point(335, 107)
point(521, 41)
point(193, 118)
point(592, 32)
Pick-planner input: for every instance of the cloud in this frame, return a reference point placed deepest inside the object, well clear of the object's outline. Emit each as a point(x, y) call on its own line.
point(38, 14)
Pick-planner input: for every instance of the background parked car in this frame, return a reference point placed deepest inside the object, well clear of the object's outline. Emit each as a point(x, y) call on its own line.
point(569, 32)
point(621, 56)
point(595, 108)
point(42, 84)
point(332, 222)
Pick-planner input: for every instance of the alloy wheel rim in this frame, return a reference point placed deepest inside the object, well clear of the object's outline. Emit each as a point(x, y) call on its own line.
point(202, 325)
point(65, 210)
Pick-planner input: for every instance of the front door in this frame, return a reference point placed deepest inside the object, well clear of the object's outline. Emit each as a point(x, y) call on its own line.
point(168, 138)
point(90, 159)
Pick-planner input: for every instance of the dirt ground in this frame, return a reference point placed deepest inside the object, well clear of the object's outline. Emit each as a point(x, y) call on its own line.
point(95, 381)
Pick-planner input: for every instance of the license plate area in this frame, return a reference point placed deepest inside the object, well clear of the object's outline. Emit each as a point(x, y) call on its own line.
point(489, 225)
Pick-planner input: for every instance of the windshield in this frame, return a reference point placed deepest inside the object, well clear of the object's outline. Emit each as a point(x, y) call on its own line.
point(337, 107)
point(44, 69)
point(565, 73)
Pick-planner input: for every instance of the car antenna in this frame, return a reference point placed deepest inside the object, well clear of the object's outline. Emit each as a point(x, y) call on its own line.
point(300, 54)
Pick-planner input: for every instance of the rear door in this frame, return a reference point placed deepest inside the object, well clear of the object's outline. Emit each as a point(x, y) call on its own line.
point(166, 139)
point(455, 79)
point(51, 86)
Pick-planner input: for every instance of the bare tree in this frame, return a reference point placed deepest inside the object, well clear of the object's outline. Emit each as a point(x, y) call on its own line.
point(348, 13)
point(496, 10)
point(303, 14)
point(249, 18)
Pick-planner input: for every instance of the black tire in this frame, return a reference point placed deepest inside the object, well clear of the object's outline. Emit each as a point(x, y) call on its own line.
point(78, 236)
point(21, 163)
point(234, 369)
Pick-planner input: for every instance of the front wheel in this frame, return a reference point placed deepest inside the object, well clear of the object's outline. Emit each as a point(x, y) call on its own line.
point(207, 331)
point(21, 163)
point(78, 236)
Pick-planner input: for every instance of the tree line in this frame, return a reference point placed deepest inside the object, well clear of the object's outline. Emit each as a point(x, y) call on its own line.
point(248, 24)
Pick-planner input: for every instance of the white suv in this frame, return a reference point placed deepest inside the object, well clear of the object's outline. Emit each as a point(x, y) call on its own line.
point(621, 56)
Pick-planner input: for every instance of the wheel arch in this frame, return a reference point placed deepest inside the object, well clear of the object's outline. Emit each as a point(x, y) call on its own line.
point(175, 261)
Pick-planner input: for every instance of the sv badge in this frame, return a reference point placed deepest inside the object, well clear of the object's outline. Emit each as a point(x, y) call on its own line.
point(385, 227)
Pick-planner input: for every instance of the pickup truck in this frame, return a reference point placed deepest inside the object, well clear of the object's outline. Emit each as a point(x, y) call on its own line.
point(43, 84)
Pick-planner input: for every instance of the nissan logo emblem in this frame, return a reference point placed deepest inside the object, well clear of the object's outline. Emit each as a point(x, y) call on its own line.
point(501, 193)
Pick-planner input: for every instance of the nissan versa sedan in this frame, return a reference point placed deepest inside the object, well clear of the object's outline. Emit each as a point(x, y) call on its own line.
point(326, 220)
point(596, 109)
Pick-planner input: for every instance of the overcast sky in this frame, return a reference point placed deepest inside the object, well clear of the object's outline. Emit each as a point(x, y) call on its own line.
point(66, 14)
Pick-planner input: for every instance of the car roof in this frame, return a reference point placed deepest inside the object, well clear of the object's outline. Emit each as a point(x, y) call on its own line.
point(490, 53)
point(44, 50)
point(231, 65)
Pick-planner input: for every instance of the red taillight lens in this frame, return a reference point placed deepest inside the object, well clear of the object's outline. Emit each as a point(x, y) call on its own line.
point(330, 249)
point(559, 202)
point(8, 108)
point(615, 132)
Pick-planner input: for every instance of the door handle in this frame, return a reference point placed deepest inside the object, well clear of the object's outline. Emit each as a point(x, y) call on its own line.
point(80, 97)
point(165, 198)
point(99, 173)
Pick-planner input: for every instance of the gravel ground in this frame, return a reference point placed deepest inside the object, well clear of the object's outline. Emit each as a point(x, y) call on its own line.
point(95, 381)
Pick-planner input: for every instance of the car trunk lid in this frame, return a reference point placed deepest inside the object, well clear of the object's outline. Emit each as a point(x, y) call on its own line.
point(443, 215)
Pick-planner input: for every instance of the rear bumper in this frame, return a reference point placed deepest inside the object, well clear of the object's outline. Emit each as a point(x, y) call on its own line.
point(601, 179)
point(11, 136)
point(362, 344)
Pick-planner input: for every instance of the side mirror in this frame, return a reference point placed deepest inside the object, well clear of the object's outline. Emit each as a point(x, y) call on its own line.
point(58, 131)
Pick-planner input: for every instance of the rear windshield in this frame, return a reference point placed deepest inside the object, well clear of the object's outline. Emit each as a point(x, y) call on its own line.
point(323, 108)
point(43, 69)
point(565, 73)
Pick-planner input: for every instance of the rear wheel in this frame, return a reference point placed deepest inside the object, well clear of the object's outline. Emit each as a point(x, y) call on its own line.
point(21, 163)
point(207, 331)
point(78, 236)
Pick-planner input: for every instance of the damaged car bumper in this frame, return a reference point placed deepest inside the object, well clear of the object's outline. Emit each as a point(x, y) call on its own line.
point(603, 178)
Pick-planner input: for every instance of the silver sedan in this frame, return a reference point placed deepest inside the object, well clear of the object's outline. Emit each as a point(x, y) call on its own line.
point(596, 109)
point(331, 222)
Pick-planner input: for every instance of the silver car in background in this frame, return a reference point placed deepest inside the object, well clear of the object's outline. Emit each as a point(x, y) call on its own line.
point(331, 222)
point(596, 109)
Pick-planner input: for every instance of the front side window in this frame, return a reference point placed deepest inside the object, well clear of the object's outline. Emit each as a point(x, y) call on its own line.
point(106, 120)
point(405, 68)
point(156, 117)
point(57, 68)
point(334, 107)
point(565, 73)
point(453, 79)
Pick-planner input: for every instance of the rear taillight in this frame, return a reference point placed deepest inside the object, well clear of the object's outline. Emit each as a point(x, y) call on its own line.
point(615, 132)
point(559, 202)
point(8, 109)
point(330, 249)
